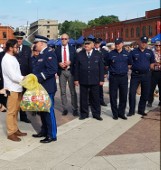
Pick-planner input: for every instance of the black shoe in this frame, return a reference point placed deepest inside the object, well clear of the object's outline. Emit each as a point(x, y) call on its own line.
point(149, 105)
point(130, 114)
point(103, 104)
point(98, 118)
point(115, 117)
point(83, 117)
point(48, 140)
point(75, 113)
point(143, 114)
point(65, 112)
point(122, 117)
point(39, 135)
point(25, 120)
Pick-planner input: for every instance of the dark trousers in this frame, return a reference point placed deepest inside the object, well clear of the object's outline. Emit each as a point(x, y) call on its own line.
point(118, 83)
point(3, 100)
point(93, 90)
point(155, 80)
point(23, 115)
point(144, 80)
point(49, 127)
point(101, 94)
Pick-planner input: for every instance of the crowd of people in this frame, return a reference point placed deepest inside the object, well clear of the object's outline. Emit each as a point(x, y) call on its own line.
point(87, 67)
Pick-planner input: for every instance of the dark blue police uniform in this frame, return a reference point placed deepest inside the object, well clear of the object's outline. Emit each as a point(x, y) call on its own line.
point(45, 68)
point(141, 61)
point(118, 80)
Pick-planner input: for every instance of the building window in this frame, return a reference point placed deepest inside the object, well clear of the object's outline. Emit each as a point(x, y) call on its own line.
point(4, 35)
point(47, 26)
point(48, 22)
point(132, 32)
point(48, 36)
point(138, 32)
point(150, 30)
point(48, 31)
point(144, 30)
point(126, 33)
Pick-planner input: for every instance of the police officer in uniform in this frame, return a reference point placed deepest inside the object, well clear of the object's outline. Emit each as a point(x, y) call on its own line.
point(89, 74)
point(45, 67)
point(118, 62)
point(104, 54)
point(142, 61)
point(24, 59)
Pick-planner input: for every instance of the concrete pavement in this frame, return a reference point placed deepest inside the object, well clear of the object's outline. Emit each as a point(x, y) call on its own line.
point(79, 142)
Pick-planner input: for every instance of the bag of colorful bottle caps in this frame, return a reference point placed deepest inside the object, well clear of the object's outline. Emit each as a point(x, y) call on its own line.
point(35, 97)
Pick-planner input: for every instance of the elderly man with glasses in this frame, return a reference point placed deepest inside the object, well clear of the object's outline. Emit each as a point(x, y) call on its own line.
point(66, 56)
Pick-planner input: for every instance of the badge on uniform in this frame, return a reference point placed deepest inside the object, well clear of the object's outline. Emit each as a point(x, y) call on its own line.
point(50, 58)
point(40, 60)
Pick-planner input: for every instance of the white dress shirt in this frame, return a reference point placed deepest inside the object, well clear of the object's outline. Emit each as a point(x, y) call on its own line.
point(11, 73)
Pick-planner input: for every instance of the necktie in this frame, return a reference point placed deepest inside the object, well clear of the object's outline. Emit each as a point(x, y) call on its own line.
point(65, 55)
point(88, 55)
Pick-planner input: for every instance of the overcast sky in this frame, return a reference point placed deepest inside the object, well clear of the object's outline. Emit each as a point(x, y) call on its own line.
point(19, 12)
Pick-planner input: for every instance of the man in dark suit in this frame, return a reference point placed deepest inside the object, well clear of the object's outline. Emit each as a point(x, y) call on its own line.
point(104, 54)
point(24, 59)
point(89, 74)
point(66, 56)
point(3, 99)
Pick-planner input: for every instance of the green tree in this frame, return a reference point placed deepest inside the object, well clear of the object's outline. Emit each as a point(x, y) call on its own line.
point(72, 28)
point(103, 20)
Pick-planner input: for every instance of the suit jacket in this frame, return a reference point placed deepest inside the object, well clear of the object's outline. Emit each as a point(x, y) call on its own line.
point(24, 59)
point(1, 76)
point(72, 56)
point(89, 71)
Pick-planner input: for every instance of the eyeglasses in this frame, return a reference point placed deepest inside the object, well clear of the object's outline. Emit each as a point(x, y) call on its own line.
point(64, 38)
point(157, 45)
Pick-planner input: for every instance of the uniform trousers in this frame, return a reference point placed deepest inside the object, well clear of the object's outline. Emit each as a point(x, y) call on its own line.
point(144, 80)
point(93, 90)
point(155, 80)
point(65, 77)
point(13, 106)
point(118, 83)
point(49, 127)
point(101, 94)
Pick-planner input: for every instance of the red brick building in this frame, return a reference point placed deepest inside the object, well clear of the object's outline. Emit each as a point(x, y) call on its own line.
point(6, 33)
point(129, 30)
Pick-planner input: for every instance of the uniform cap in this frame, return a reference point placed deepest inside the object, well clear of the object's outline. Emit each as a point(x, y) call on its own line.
point(88, 40)
point(19, 34)
point(40, 38)
point(98, 40)
point(118, 40)
point(144, 39)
